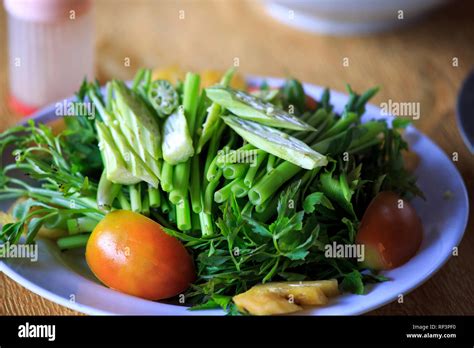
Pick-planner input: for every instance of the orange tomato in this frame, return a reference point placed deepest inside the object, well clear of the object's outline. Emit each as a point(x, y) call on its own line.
point(132, 254)
point(390, 231)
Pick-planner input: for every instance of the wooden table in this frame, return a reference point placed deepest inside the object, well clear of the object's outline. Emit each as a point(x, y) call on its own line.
point(411, 64)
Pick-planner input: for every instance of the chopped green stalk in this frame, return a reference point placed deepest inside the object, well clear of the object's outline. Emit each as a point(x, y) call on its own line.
point(319, 116)
point(182, 170)
point(172, 213)
point(239, 188)
point(107, 191)
point(145, 206)
point(177, 142)
point(81, 225)
point(227, 77)
point(225, 192)
point(213, 170)
point(371, 130)
point(271, 182)
point(325, 100)
point(211, 124)
point(195, 189)
point(138, 78)
point(359, 105)
point(207, 226)
point(327, 123)
point(135, 198)
point(252, 108)
point(221, 157)
point(165, 206)
point(180, 183)
point(318, 121)
point(191, 99)
point(310, 138)
point(201, 113)
point(306, 117)
point(294, 94)
point(183, 215)
point(323, 146)
point(72, 242)
point(270, 163)
point(276, 143)
point(212, 148)
point(163, 97)
point(123, 201)
point(141, 82)
point(341, 125)
point(365, 145)
point(209, 192)
point(154, 197)
point(253, 169)
point(212, 120)
point(195, 222)
point(262, 207)
point(167, 177)
point(234, 170)
point(241, 155)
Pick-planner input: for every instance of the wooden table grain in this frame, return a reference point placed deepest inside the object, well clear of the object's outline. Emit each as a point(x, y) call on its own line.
point(415, 63)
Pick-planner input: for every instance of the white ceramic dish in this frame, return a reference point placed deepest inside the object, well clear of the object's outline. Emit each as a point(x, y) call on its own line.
point(65, 279)
point(348, 17)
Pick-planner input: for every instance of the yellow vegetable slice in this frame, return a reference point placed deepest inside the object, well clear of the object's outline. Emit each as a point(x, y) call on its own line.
point(285, 297)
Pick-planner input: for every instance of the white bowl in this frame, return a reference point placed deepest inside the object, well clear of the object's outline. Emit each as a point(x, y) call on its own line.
point(349, 17)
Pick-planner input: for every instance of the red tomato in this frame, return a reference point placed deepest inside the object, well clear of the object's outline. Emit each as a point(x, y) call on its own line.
point(390, 230)
point(311, 103)
point(132, 254)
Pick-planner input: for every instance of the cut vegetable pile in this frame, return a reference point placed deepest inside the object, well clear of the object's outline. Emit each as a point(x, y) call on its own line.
point(254, 183)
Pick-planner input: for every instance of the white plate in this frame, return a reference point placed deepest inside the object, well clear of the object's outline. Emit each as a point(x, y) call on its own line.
point(64, 277)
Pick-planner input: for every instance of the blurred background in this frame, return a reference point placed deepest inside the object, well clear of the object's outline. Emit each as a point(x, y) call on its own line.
point(417, 51)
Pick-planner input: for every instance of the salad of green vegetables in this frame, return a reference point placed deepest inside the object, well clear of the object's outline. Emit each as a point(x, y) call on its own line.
point(254, 183)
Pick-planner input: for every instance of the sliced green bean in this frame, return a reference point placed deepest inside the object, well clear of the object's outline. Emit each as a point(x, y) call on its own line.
point(135, 197)
point(209, 193)
point(235, 170)
point(207, 226)
point(270, 162)
point(81, 224)
point(154, 196)
point(167, 177)
point(72, 242)
point(239, 188)
point(225, 192)
point(180, 182)
point(271, 182)
point(183, 215)
point(251, 173)
point(195, 189)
